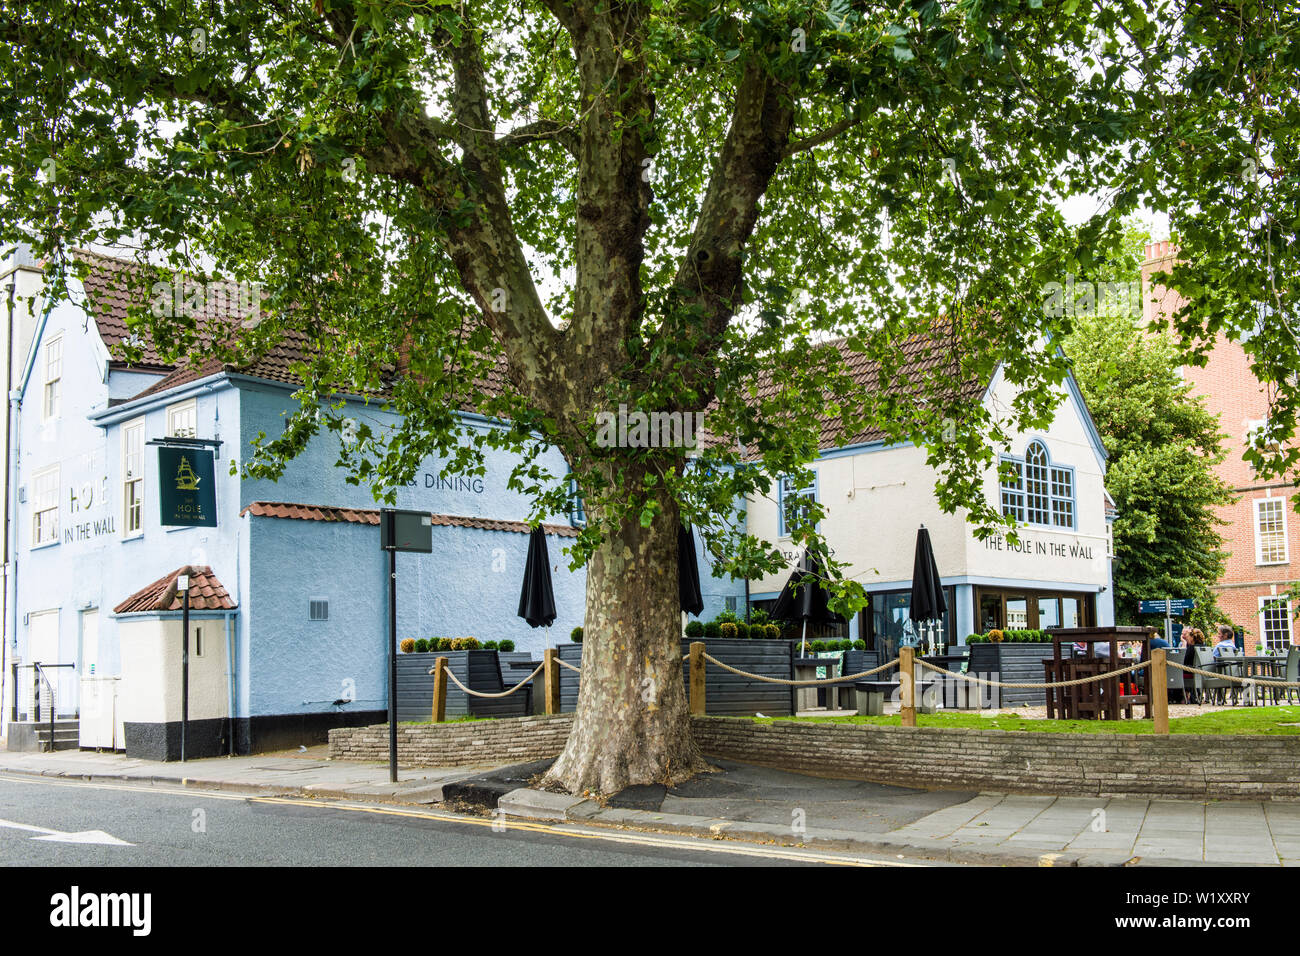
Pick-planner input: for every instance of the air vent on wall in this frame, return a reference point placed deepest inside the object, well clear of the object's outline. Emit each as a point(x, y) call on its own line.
point(320, 609)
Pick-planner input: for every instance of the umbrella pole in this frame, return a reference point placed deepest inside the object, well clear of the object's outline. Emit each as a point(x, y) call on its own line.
point(803, 640)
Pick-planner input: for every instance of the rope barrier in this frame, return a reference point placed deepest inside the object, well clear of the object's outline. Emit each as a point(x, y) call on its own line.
point(1253, 681)
point(799, 683)
point(476, 693)
point(564, 663)
point(1039, 686)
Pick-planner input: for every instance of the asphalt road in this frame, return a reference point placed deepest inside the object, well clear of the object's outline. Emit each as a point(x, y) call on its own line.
point(53, 823)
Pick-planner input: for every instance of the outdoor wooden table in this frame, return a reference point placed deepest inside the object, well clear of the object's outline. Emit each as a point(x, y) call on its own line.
point(1098, 699)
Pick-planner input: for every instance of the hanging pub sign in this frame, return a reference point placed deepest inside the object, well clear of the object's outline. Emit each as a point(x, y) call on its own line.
point(187, 489)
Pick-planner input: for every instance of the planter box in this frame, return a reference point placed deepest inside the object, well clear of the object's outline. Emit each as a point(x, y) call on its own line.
point(1013, 662)
point(726, 694)
point(855, 662)
point(480, 670)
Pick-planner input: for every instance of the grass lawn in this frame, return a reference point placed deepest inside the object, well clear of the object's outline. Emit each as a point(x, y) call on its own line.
point(1244, 720)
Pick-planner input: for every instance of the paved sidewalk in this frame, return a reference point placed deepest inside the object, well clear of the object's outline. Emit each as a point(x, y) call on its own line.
point(758, 804)
point(288, 772)
point(1158, 832)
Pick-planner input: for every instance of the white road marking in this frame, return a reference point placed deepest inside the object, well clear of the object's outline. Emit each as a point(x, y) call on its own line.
point(572, 831)
point(59, 836)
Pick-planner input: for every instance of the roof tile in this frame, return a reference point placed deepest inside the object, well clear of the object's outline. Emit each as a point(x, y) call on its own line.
point(285, 509)
point(206, 593)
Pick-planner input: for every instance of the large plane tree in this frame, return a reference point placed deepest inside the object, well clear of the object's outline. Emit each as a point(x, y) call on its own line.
point(544, 210)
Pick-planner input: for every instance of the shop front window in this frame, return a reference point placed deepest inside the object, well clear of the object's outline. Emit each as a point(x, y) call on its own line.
point(1015, 610)
point(891, 627)
point(1049, 612)
point(1017, 613)
point(1071, 612)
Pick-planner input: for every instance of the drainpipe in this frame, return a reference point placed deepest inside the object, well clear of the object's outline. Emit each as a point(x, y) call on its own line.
point(230, 678)
point(11, 570)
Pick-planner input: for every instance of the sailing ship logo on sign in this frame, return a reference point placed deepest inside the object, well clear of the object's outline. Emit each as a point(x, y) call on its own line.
point(186, 479)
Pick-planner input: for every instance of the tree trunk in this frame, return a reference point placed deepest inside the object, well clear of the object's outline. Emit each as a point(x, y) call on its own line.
point(633, 722)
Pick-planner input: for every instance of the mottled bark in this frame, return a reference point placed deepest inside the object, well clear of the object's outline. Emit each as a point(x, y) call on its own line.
point(633, 722)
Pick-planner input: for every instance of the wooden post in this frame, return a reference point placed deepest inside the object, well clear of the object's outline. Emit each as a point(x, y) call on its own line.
point(1159, 687)
point(697, 678)
point(906, 687)
point(551, 679)
point(439, 690)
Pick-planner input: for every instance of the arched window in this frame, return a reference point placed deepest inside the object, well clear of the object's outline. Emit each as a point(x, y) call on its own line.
point(1038, 492)
point(1038, 496)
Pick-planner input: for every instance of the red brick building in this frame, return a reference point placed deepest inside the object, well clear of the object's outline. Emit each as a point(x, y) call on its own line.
point(1262, 532)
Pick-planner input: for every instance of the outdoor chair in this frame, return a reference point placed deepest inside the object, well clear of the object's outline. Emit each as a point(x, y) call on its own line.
point(1292, 674)
point(1193, 692)
point(1214, 688)
point(1174, 682)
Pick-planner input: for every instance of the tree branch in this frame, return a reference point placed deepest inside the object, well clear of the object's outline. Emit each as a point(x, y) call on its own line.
point(825, 136)
point(541, 130)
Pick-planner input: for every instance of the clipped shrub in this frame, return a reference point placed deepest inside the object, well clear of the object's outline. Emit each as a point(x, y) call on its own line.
point(713, 629)
point(859, 645)
point(996, 636)
point(817, 647)
point(975, 638)
point(773, 631)
point(490, 646)
point(506, 645)
point(576, 635)
point(422, 645)
point(743, 630)
point(694, 628)
point(444, 643)
point(407, 645)
point(728, 629)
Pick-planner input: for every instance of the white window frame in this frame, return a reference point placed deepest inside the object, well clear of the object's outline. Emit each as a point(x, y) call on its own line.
point(1043, 493)
point(52, 384)
point(52, 508)
point(1265, 600)
point(788, 485)
point(189, 408)
point(132, 481)
point(1280, 505)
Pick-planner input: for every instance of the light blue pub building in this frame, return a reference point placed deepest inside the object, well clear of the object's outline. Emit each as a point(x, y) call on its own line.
point(288, 591)
point(289, 613)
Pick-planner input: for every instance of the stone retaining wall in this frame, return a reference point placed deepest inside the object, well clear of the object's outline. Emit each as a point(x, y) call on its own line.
point(459, 743)
point(1180, 765)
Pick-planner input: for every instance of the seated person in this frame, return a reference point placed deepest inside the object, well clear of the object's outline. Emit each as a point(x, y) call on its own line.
point(1159, 642)
point(1227, 641)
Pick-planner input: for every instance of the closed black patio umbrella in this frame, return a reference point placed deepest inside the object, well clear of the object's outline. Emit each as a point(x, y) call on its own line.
point(537, 599)
point(928, 603)
point(688, 572)
point(804, 599)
